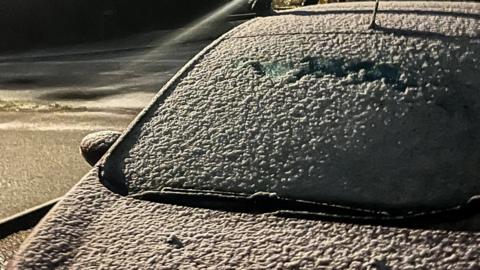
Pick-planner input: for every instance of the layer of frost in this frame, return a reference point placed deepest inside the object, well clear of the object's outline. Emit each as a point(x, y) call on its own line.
point(368, 119)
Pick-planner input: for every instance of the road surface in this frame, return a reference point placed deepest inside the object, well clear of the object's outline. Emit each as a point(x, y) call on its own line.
point(51, 98)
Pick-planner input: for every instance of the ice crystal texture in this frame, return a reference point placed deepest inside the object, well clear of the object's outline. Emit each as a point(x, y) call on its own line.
point(376, 119)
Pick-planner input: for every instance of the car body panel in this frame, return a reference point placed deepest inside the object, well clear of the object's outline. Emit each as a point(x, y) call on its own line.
point(93, 227)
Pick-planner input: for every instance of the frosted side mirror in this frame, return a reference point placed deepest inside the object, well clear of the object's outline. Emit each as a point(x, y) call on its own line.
point(95, 145)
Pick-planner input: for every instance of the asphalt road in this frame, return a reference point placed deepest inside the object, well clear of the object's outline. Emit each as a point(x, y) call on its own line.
point(40, 156)
point(62, 94)
point(122, 73)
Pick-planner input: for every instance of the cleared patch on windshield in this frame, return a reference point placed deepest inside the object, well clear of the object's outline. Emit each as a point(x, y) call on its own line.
point(359, 71)
point(271, 69)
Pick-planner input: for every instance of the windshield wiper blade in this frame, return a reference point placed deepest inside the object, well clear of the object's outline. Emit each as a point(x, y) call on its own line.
point(464, 217)
point(472, 206)
point(264, 202)
point(259, 202)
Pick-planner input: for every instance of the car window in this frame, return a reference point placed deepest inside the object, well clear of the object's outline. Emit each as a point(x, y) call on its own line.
point(376, 121)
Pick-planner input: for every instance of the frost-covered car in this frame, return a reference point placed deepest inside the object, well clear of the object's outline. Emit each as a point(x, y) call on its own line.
point(302, 140)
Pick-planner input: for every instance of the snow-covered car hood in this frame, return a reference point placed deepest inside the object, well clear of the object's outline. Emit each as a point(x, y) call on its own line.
point(323, 48)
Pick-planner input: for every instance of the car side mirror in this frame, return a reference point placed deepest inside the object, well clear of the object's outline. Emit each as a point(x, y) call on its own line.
point(95, 145)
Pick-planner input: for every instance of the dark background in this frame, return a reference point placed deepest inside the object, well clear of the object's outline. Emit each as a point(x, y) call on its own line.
point(32, 23)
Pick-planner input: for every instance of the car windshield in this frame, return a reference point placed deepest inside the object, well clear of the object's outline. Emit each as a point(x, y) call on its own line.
point(379, 120)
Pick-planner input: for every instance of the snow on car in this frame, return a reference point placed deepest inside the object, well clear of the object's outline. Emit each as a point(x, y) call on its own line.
point(258, 152)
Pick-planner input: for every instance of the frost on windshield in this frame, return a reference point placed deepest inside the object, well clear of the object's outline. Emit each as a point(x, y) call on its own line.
point(384, 122)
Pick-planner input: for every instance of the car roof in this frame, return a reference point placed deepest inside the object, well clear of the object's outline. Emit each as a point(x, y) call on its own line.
point(95, 227)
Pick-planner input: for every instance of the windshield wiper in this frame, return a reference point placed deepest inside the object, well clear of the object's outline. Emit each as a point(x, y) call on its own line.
point(264, 202)
point(259, 202)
